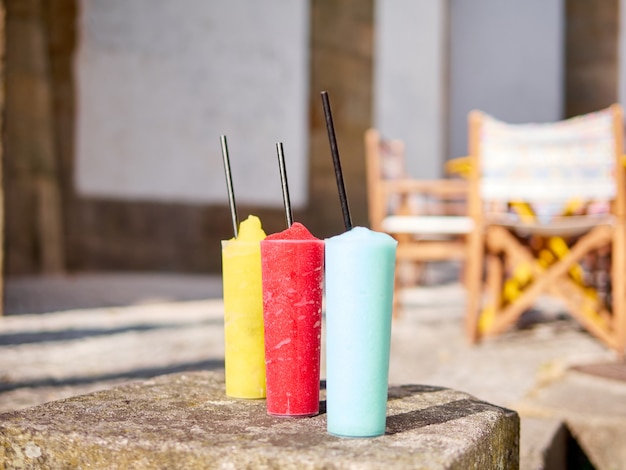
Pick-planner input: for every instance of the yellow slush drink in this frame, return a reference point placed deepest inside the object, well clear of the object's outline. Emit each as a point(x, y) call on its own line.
point(244, 354)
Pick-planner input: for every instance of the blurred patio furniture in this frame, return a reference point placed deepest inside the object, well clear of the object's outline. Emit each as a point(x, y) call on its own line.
point(427, 217)
point(548, 204)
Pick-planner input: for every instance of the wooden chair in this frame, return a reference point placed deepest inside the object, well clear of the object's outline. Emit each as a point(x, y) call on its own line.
point(425, 216)
point(548, 204)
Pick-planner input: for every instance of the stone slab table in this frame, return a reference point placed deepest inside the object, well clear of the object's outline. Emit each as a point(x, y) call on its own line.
point(186, 421)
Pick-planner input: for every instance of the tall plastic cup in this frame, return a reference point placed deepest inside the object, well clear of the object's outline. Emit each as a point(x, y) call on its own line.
point(244, 349)
point(293, 270)
point(360, 266)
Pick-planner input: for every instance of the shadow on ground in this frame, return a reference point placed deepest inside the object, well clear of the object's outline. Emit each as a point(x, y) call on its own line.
point(24, 295)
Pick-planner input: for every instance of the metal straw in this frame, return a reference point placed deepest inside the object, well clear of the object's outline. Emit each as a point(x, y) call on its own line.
point(343, 198)
point(229, 184)
point(284, 184)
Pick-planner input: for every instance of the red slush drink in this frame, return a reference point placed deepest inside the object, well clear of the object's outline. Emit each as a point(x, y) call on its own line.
point(292, 265)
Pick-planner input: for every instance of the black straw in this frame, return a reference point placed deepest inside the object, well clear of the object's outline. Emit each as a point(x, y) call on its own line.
point(284, 184)
point(229, 184)
point(345, 209)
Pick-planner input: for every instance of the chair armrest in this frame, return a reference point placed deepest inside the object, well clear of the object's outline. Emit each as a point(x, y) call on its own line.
point(438, 187)
point(426, 197)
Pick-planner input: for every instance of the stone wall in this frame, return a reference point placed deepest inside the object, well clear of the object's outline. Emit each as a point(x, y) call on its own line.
point(2, 123)
point(341, 64)
point(50, 229)
point(592, 30)
point(34, 235)
point(94, 234)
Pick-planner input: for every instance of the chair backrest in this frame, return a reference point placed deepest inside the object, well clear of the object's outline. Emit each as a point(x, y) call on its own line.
point(384, 161)
point(547, 164)
point(391, 190)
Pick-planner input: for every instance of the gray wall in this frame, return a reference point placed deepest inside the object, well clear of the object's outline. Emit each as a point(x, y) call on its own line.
point(436, 60)
point(409, 79)
point(155, 91)
point(507, 59)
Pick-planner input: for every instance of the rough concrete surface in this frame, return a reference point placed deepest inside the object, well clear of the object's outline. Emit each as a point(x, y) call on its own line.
point(169, 324)
point(592, 408)
point(185, 421)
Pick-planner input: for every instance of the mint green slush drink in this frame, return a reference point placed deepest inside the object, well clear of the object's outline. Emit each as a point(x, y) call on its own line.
point(360, 267)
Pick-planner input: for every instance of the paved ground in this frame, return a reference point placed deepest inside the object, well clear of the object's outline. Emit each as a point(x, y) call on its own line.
point(73, 335)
